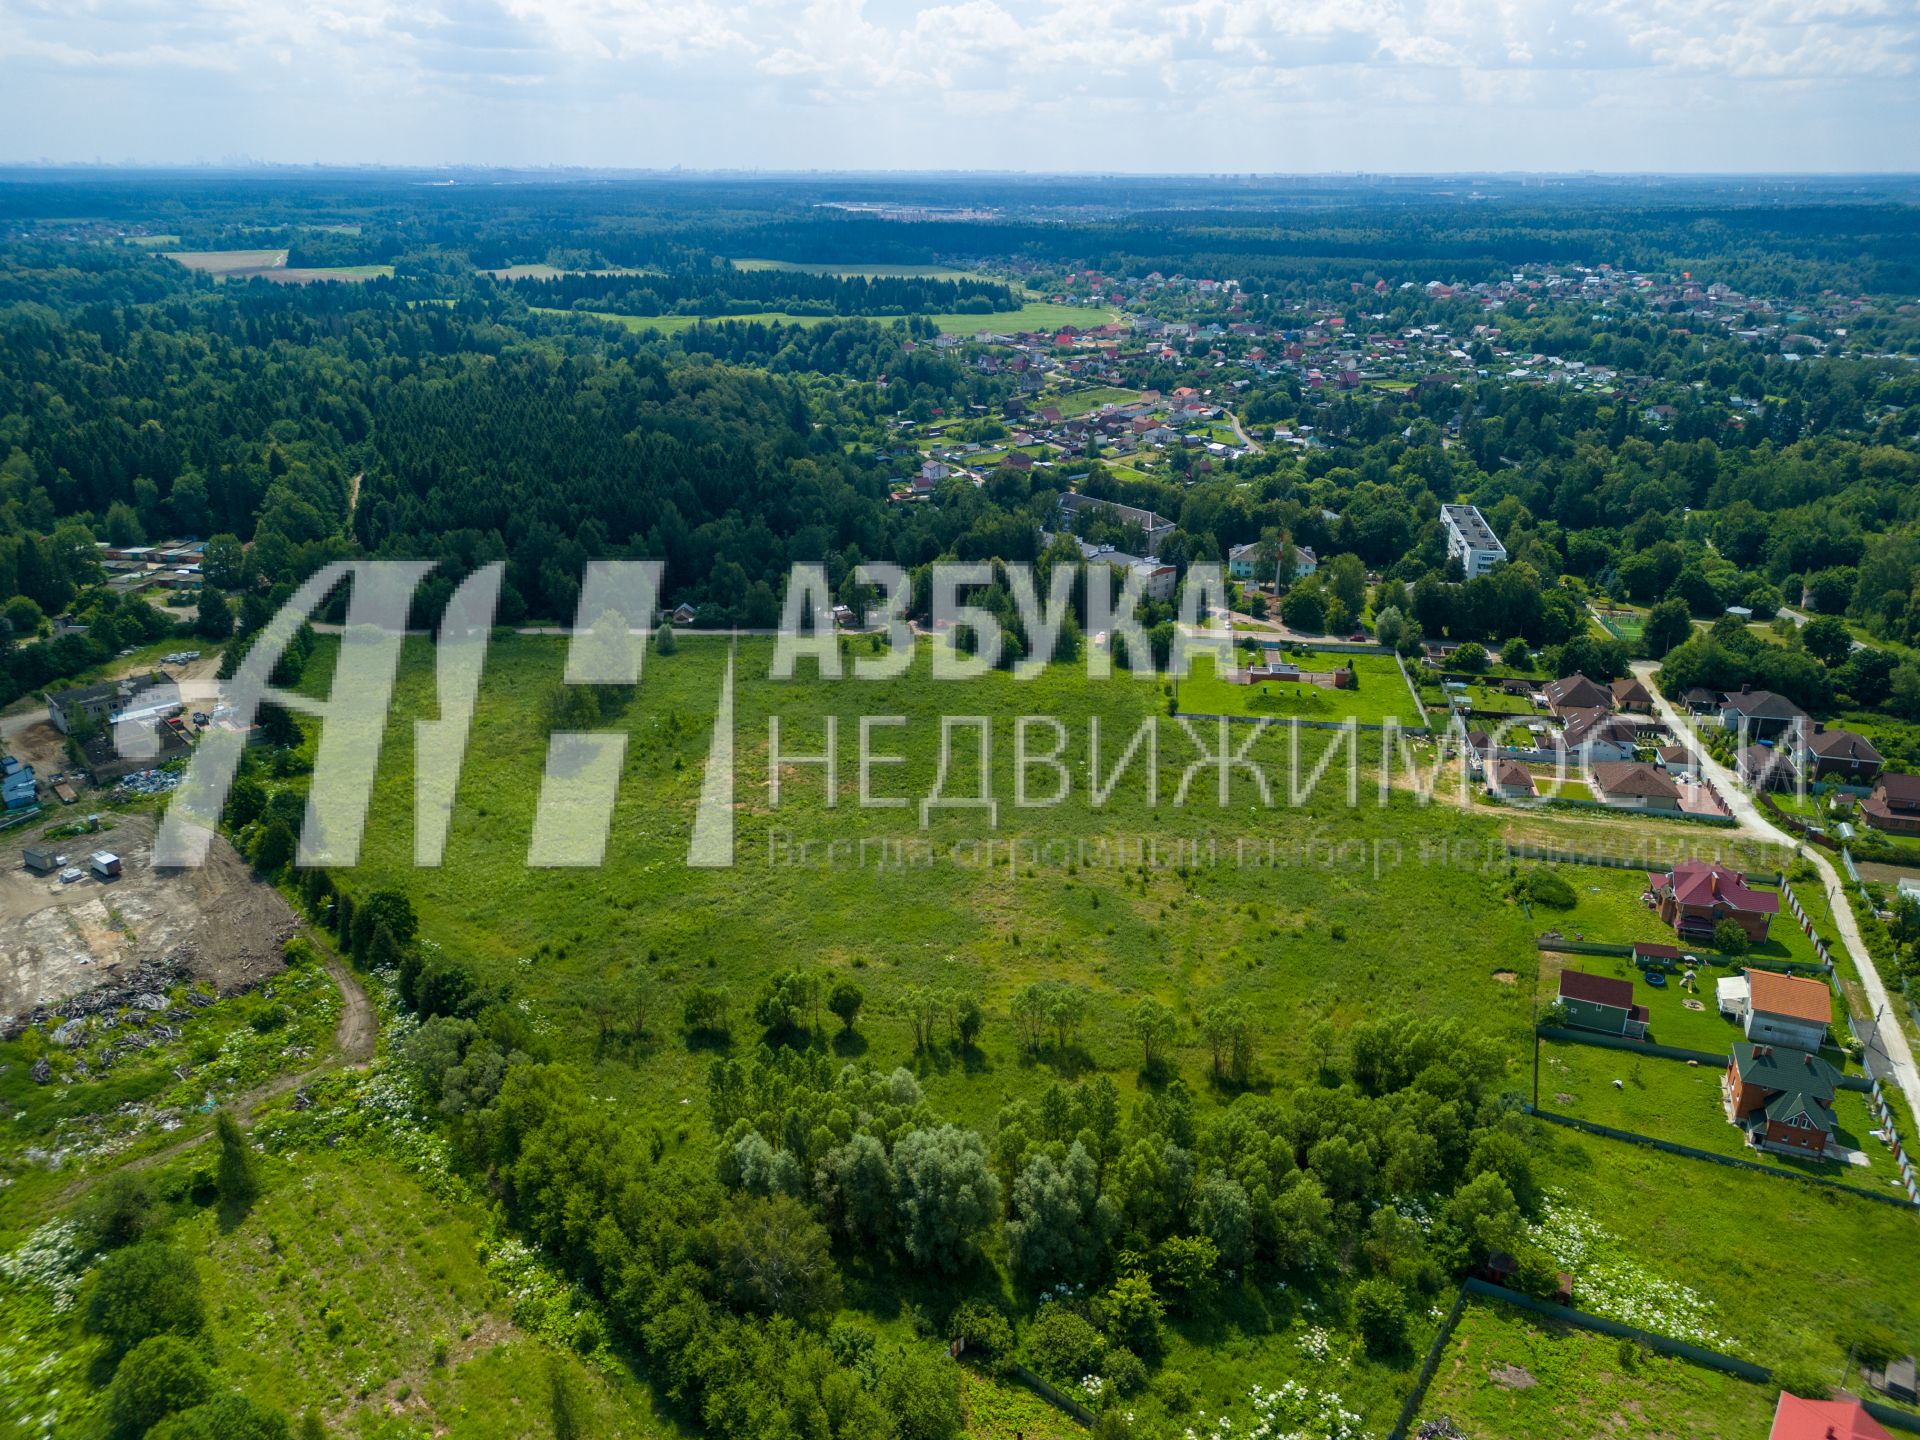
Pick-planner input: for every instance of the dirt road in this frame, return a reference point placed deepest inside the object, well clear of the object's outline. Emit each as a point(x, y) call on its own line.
point(353, 1041)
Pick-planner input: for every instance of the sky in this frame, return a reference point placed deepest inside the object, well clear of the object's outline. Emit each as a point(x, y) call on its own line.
point(1160, 86)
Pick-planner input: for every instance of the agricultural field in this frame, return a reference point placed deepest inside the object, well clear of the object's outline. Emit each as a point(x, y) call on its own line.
point(1380, 693)
point(223, 263)
point(1517, 1376)
point(1677, 1101)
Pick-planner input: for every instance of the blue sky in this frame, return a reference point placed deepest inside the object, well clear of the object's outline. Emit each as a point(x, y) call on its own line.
point(1105, 85)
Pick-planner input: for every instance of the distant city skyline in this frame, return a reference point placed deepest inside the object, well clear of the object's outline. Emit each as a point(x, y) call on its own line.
point(1194, 86)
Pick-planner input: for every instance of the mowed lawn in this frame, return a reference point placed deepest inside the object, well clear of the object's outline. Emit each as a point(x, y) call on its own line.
point(1279, 906)
point(1608, 911)
point(1671, 1018)
point(1380, 692)
point(1788, 1269)
point(1520, 1376)
point(1672, 1100)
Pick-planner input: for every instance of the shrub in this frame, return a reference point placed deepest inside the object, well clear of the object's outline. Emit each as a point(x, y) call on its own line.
point(1545, 887)
point(1130, 1313)
point(1380, 1315)
point(1063, 1346)
point(986, 1333)
point(1124, 1371)
point(121, 1211)
point(920, 1389)
point(160, 1375)
point(1729, 938)
point(225, 1417)
point(144, 1290)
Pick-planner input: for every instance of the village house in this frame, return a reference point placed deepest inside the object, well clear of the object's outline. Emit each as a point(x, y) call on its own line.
point(1777, 1009)
point(1894, 805)
point(1766, 767)
point(1838, 754)
point(1576, 692)
point(1512, 781)
point(1677, 760)
point(1630, 695)
point(1797, 1419)
point(1600, 1002)
point(1635, 785)
point(1782, 1099)
point(1697, 895)
point(1599, 736)
point(1763, 713)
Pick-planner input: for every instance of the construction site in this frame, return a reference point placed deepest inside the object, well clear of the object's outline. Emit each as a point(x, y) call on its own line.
point(71, 922)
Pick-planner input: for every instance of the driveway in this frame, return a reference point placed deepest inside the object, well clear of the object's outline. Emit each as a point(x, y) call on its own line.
point(1752, 822)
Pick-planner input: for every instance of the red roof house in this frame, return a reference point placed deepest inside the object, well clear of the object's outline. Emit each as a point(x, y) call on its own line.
point(1697, 895)
point(1797, 1419)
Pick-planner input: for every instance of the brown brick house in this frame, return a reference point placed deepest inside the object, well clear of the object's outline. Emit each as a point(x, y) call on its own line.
point(1697, 895)
point(1782, 1099)
point(1894, 805)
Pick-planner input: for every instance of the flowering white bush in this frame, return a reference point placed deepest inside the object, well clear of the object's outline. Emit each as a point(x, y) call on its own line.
point(1611, 1282)
point(1291, 1412)
point(1316, 1343)
point(49, 1258)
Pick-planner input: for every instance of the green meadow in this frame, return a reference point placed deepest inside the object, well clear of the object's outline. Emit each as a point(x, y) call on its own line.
point(1189, 903)
point(1506, 1372)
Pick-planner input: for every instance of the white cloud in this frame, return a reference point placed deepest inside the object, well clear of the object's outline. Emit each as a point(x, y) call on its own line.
point(1041, 84)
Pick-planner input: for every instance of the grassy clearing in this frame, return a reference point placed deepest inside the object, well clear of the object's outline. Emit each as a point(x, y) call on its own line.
point(1380, 692)
point(1084, 402)
point(1523, 1377)
point(1036, 315)
point(228, 262)
point(1671, 1100)
point(346, 1286)
point(1293, 936)
point(1027, 317)
point(1786, 1269)
point(317, 273)
point(151, 242)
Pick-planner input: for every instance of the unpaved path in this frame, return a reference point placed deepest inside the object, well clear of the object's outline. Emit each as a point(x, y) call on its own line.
point(353, 1041)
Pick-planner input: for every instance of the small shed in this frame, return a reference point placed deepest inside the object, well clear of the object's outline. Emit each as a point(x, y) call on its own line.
point(39, 859)
point(105, 864)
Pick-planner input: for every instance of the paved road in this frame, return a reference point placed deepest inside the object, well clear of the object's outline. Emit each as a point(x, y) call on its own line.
point(1753, 822)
